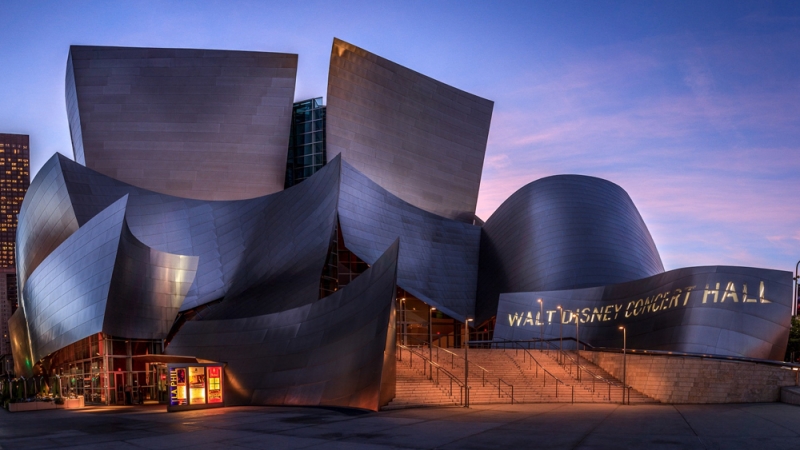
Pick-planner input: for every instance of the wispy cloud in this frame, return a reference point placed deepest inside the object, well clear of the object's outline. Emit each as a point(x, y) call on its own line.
point(709, 152)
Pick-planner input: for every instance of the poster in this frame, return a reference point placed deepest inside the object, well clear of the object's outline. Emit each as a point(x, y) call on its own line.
point(197, 385)
point(214, 384)
point(177, 387)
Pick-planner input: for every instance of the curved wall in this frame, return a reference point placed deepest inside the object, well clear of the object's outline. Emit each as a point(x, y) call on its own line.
point(420, 139)
point(102, 279)
point(438, 260)
point(718, 310)
point(46, 218)
point(202, 124)
point(276, 243)
point(563, 232)
point(330, 352)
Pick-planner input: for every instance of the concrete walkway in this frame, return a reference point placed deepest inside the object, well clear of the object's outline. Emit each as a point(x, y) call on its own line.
point(546, 426)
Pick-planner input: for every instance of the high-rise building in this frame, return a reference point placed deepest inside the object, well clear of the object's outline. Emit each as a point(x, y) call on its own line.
point(306, 141)
point(14, 181)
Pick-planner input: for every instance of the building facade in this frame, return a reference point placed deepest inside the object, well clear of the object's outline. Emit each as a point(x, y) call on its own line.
point(14, 181)
point(301, 289)
point(306, 141)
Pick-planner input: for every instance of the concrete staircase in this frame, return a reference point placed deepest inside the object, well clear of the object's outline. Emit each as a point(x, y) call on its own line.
point(414, 389)
point(531, 376)
point(493, 370)
point(592, 384)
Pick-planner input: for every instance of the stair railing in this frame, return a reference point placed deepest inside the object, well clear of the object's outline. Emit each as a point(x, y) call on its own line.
point(486, 376)
point(528, 357)
point(427, 364)
point(549, 347)
point(579, 368)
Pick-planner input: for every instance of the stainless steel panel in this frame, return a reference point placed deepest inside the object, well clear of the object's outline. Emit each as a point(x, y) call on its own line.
point(418, 138)
point(329, 352)
point(718, 310)
point(20, 344)
point(563, 232)
point(438, 260)
point(247, 245)
point(102, 279)
point(205, 124)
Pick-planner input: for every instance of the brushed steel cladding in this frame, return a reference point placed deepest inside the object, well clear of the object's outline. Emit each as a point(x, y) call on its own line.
point(563, 232)
point(20, 344)
point(329, 352)
point(718, 310)
point(420, 139)
point(46, 218)
point(147, 289)
point(438, 260)
point(201, 124)
point(73, 114)
point(102, 279)
point(65, 297)
point(231, 238)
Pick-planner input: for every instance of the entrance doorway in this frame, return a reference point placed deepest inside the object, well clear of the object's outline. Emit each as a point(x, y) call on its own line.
point(119, 388)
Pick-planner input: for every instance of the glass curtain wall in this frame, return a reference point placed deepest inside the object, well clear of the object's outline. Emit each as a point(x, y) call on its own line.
point(306, 141)
point(107, 370)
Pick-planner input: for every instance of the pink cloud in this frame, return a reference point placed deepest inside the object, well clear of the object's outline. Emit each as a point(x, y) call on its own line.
point(710, 166)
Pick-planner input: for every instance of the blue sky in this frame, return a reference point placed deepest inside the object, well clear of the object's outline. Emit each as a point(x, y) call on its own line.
point(694, 109)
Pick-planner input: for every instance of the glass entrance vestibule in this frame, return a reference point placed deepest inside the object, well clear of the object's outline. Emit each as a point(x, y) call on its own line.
point(107, 370)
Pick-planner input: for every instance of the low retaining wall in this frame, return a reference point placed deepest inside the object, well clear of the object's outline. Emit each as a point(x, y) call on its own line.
point(70, 403)
point(685, 379)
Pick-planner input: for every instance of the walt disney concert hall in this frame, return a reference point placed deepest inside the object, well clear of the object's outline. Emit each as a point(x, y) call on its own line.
point(214, 242)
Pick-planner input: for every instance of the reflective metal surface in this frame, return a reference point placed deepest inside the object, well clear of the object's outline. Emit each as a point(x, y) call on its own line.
point(420, 139)
point(328, 352)
point(563, 232)
point(230, 238)
point(718, 310)
point(205, 124)
point(102, 279)
point(179, 208)
point(20, 344)
point(438, 260)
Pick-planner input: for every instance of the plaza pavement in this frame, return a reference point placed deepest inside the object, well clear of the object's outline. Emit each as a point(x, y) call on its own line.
point(507, 427)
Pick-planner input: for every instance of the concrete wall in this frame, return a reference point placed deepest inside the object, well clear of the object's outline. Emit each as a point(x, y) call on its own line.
point(683, 379)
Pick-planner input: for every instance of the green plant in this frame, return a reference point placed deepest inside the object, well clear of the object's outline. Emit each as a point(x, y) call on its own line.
point(59, 400)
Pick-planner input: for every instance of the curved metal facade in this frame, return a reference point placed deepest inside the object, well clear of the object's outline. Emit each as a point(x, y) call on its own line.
point(106, 248)
point(102, 279)
point(438, 260)
point(204, 124)
point(329, 352)
point(420, 139)
point(563, 232)
point(230, 238)
point(46, 218)
point(718, 310)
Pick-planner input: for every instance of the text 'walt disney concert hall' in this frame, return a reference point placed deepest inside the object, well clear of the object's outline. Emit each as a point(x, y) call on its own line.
point(210, 231)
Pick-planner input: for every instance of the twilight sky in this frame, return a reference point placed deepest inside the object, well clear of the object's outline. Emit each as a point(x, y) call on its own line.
point(693, 109)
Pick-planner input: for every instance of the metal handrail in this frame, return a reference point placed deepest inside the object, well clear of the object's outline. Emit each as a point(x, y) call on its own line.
point(484, 372)
point(582, 368)
point(538, 365)
point(499, 381)
point(438, 367)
